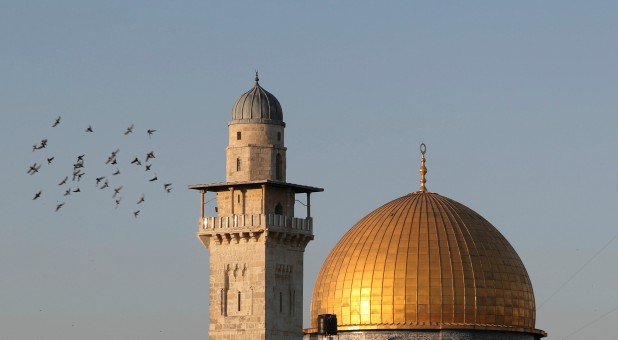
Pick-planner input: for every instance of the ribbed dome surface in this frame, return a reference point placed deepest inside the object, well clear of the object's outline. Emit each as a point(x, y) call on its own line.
point(424, 261)
point(257, 106)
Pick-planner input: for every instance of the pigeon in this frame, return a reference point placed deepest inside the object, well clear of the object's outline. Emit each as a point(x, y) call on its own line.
point(141, 199)
point(79, 176)
point(117, 172)
point(129, 130)
point(77, 190)
point(135, 213)
point(67, 192)
point(105, 185)
point(117, 202)
point(89, 129)
point(148, 167)
point(37, 195)
point(150, 132)
point(99, 179)
point(75, 174)
point(150, 155)
point(49, 160)
point(41, 145)
point(112, 157)
point(117, 191)
point(56, 122)
point(34, 168)
point(167, 185)
point(64, 181)
point(136, 161)
point(80, 158)
point(168, 190)
point(153, 179)
point(58, 206)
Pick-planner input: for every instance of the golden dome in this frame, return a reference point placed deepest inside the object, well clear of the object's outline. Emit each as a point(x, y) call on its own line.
point(424, 261)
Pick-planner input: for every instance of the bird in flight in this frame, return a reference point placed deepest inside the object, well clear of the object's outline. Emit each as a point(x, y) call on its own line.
point(117, 191)
point(129, 130)
point(99, 179)
point(148, 167)
point(37, 195)
point(49, 160)
point(141, 200)
point(135, 213)
point(118, 202)
point(117, 172)
point(77, 190)
point(34, 168)
point(67, 192)
point(136, 161)
point(76, 174)
point(112, 157)
point(168, 190)
point(58, 206)
point(41, 145)
point(56, 122)
point(89, 129)
point(150, 132)
point(105, 185)
point(150, 155)
point(153, 179)
point(64, 181)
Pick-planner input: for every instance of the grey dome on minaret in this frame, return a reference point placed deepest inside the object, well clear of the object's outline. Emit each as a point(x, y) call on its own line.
point(257, 106)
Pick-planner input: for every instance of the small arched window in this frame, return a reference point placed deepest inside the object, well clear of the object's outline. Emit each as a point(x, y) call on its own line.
point(238, 135)
point(237, 164)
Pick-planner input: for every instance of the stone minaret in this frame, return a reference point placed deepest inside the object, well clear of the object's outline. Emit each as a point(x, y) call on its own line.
point(256, 243)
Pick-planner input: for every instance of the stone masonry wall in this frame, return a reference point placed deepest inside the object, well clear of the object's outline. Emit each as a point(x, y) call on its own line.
point(252, 153)
point(237, 268)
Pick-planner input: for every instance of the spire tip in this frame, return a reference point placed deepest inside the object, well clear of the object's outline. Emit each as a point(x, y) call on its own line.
point(423, 169)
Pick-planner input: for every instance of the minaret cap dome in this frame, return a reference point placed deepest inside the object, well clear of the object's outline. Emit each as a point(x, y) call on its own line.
point(257, 106)
point(424, 261)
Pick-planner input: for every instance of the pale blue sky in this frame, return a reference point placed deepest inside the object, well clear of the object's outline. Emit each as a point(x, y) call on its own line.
point(517, 103)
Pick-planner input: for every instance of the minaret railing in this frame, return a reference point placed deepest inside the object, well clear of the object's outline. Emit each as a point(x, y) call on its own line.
point(256, 221)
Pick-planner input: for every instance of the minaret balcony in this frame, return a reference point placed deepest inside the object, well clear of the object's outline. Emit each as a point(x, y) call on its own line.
point(255, 223)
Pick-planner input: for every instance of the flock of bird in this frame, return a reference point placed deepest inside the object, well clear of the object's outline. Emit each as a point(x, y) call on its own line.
point(103, 182)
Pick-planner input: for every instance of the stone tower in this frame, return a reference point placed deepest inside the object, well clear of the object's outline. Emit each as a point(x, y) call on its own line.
point(256, 243)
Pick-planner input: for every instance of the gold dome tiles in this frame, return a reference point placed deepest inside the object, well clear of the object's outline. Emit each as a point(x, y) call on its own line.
point(422, 260)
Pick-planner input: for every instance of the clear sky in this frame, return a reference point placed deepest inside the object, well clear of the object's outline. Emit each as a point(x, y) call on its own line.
point(517, 103)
